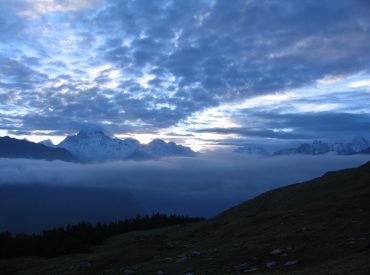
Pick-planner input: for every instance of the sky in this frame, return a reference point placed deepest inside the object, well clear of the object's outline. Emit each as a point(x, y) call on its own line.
point(204, 73)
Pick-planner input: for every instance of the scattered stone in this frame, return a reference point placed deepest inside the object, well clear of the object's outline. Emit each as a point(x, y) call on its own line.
point(291, 263)
point(240, 267)
point(194, 254)
point(250, 270)
point(187, 245)
point(270, 265)
point(169, 245)
point(129, 272)
point(168, 259)
point(276, 252)
point(83, 266)
point(181, 258)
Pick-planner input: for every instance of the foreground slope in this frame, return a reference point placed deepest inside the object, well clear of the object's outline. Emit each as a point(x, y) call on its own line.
point(318, 227)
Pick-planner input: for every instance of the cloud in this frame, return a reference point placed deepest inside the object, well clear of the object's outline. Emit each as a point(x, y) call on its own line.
point(202, 186)
point(329, 126)
point(36, 8)
point(199, 54)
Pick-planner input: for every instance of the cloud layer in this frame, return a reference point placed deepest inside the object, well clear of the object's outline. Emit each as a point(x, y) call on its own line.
point(202, 186)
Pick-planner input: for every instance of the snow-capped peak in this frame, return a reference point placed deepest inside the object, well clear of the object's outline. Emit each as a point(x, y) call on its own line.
point(97, 145)
point(317, 147)
point(47, 142)
point(92, 133)
point(160, 148)
point(359, 144)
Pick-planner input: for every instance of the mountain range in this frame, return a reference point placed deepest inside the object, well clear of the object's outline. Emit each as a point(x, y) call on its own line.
point(97, 146)
point(92, 146)
point(358, 145)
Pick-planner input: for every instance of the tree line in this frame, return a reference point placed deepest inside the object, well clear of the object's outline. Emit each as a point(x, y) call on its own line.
point(81, 237)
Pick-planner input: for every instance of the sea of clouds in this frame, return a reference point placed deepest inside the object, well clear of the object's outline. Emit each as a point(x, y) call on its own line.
point(36, 194)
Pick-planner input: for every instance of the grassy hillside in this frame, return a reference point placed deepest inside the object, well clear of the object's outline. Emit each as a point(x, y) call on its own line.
point(318, 227)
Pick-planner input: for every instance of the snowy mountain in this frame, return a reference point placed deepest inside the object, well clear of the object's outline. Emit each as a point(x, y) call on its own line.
point(252, 150)
point(317, 147)
point(47, 142)
point(95, 145)
point(359, 144)
point(159, 148)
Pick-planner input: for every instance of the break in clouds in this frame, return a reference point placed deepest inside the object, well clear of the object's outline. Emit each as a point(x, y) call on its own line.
point(38, 194)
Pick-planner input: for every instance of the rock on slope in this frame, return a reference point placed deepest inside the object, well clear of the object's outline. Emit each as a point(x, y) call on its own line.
point(318, 227)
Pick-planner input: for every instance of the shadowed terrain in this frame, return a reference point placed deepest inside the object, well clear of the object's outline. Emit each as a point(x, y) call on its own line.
point(15, 148)
point(320, 226)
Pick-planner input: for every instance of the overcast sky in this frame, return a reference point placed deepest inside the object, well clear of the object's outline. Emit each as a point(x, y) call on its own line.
point(197, 72)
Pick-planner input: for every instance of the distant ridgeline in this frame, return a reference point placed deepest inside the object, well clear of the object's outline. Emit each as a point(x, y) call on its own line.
point(79, 238)
point(15, 148)
point(94, 146)
point(358, 145)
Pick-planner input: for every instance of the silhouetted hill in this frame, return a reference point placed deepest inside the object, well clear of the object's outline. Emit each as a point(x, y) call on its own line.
point(15, 148)
point(321, 226)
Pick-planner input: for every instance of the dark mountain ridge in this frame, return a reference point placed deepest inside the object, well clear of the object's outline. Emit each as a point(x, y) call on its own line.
point(15, 148)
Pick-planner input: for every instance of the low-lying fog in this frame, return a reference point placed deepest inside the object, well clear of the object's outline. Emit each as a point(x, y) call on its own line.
point(36, 195)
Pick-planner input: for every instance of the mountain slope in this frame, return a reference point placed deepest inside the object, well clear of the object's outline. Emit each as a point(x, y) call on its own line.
point(96, 145)
point(15, 148)
point(321, 226)
point(159, 148)
point(47, 142)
